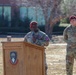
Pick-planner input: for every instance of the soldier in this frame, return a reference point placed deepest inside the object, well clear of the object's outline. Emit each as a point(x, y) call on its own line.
point(70, 38)
point(35, 36)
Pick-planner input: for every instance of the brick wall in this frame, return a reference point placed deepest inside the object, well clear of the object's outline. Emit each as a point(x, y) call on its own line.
point(4, 2)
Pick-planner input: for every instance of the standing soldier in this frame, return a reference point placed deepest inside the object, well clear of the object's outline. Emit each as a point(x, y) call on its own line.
point(35, 36)
point(70, 37)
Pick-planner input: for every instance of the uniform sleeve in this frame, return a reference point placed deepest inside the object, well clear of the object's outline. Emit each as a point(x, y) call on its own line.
point(25, 38)
point(44, 41)
point(65, 36)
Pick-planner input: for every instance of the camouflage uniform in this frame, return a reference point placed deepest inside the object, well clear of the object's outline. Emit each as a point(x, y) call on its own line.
point(41, 40)
point(70, 38)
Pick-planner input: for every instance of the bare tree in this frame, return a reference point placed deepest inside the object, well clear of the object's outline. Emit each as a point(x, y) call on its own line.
point(50, 8)
point(69, 7)
point(52, 13)
point(53, 10)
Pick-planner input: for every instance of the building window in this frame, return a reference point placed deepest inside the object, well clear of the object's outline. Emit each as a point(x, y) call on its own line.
point(23, 13)
point(1, 16)
point(40, 17)
point(5, 16)
point(34, 14)
point(0, 11)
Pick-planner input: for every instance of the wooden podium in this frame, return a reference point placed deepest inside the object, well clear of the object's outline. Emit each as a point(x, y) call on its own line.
point(21, 58)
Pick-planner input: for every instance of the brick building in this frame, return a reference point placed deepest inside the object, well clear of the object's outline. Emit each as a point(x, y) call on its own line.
point(14, 12)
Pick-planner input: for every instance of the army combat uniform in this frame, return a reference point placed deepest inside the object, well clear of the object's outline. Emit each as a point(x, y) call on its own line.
point(41, 40)
point(70, 37)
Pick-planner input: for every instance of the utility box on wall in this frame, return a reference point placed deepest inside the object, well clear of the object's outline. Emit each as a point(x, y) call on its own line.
point(21, 58)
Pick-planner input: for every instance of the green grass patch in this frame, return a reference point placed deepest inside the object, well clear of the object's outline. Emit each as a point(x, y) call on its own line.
point(63, 25)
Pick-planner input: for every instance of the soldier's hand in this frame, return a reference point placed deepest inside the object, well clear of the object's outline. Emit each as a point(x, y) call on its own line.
point(34, 40)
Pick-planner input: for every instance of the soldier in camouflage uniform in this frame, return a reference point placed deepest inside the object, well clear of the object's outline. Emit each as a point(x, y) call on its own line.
point(35, 36)
point(70, 38)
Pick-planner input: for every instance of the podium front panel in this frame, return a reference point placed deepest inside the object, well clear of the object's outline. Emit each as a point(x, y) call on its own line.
point(23, 59)
point(33, 59)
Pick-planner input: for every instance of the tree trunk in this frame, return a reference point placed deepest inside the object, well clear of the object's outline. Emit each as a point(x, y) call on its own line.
point(49, 29)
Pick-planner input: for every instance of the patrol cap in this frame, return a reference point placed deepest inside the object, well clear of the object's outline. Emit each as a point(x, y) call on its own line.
point(33, 24)
point(72, 17)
